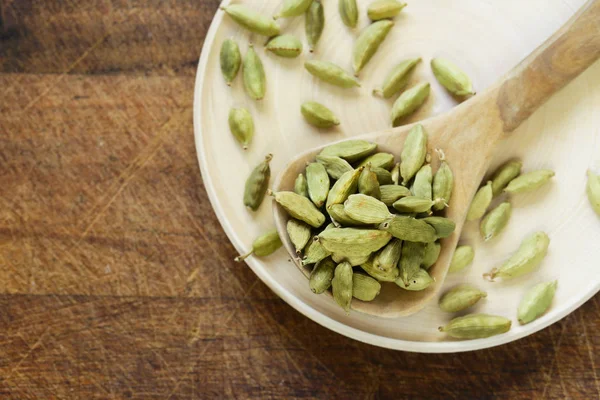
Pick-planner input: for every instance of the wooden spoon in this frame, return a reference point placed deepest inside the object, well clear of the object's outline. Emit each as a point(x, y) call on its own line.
point(468, 135)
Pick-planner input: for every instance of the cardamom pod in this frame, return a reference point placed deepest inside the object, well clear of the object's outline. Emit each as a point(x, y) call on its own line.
point(287, 46)
point(353, 241)
point(339, 216)
point(593, 190)
point(318, 183)
point(300, 207)
point(395, 173)
point(391, 193)
point(366, 209)
point(263, 246)
point(379, 160)
point(413, 153)
point(343, 187)
point(301, 186)
point(381, 9)
point(354, 260)
point(368, 43)
point(341, 285)
point(460, 298)
point(241, 126)
point(257, 184)
point(387, 259)
point(314, 251)
point(335, 166)
point(421, 280)
point(409, 229)
point(410, 262)
point(481, 202)
point(397, 79)
point(451, 77)
point(529, 181)
point(350, 150)
point(431, 254)
point(364, 287)
point(504, 174)
point(413, 204)
point(476, 326)
point(443, 184)
point(463, 256)
point(527, 258)
point(349, 12)
point(384, 177)
point(293, 8)
point(444, 227)
point(314, 24)
point(423, 184)
point(318, 115)
point(382, 276)
point(495, 221)
point(330, 73)
point(299, 234)
point(408, 102)
point(255, 81)
point(231, 60)
point(368, 183)
point(536, 302)
point(251, 20)
point(321, 276)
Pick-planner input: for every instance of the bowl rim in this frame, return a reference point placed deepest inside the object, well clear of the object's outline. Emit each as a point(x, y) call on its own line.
point(446, 346)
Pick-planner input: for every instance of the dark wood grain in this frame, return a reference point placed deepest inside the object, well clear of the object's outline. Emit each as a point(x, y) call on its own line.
point(117, 280)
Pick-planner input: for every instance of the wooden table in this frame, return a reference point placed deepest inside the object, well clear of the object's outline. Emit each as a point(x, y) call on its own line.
point(117, 280)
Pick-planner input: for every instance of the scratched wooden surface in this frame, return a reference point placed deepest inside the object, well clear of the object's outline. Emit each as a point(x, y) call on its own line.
point(116, 278)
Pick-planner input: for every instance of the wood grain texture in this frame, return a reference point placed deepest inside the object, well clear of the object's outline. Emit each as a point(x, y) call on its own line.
point(117, 280)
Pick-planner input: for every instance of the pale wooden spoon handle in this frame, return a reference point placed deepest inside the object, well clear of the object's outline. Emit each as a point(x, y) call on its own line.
point(560, 59)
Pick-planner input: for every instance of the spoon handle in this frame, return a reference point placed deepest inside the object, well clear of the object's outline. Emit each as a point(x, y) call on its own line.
point(551, 66)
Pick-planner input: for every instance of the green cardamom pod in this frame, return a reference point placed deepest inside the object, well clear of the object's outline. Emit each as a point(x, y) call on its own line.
point(330, 73)
point(505, 174)
point(255, 81)
point(241, 126)
point(314, 24)
point(529, 181)
point(293, 8)
point(354, 259)
point(318, 115)
point(368, 43)
point(379, 160)
point(413, 153)
point(287, 46)
point(368, 184)
point(476, 326)
point(341, 285)
point(536, 302)
point(366, 209)
point(495, 221)
point(263, 246)
point(423, 185)
point(252, 20)
point(409, 101)
point(299, 234)
point(353, 241)
point(300, 207)
point(460, 298)
point(364, 287)
point(431, 254)
point(421, 280)
point(339, 216)
point(410, 261)
point(335, 166)
point(409, 229)
point(301, 186)
point(481, 202)
point(349, 12)
point(318, 183)
point(321, 276)
point(443, 185)
point(397, 79)
point(384, 177)
point(381, 9)
point(257, 184)
point(395, 173)
point(593, 190)
point(343, 187)
point(527, 258)
point(444, 227)
point(382, 276)
point(391, 193)
point(413, 204)
point(350, 150)
point(314, 251)
point(463, 256)
point(387, 259)
point(231, 60)
point(451, 77)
